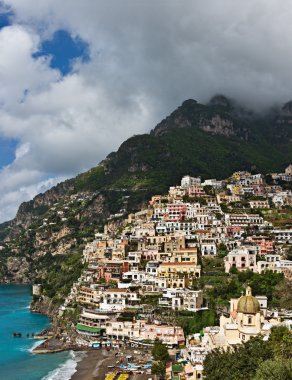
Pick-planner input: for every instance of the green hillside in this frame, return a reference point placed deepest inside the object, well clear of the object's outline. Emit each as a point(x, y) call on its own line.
point(211, 141)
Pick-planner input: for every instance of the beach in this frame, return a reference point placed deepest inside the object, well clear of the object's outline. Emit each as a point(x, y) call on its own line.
point(97, 363)
point(93, 365)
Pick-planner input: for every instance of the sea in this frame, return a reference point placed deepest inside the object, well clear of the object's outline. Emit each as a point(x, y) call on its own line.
point(17, 362)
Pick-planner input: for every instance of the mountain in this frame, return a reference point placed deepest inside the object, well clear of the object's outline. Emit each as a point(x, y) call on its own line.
point(211, 140)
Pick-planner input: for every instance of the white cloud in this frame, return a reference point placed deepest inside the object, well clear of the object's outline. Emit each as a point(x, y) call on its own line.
point(19, 72)
point(21, 151)
point(15, 195)
point(146, 58)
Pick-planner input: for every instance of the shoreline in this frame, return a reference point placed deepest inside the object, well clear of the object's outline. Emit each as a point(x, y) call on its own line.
point(52, 345)
point(17, 317)
point(96, 364)
point(93, 365)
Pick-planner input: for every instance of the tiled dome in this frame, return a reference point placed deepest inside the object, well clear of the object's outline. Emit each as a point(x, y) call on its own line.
point(248, 304)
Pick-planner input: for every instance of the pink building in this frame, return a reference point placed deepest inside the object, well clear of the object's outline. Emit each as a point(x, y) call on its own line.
point(196, 191)
point(240, 258)
point(151, 254)
point(140, 331)
point(170, 335)
point(234, 231)
point(111, 271)
point(176, 212)
point(265, 244)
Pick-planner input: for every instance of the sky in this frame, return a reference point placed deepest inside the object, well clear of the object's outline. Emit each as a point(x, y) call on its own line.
point(79, 77)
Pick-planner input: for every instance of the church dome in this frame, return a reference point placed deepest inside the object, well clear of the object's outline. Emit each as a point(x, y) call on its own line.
point(248, 304)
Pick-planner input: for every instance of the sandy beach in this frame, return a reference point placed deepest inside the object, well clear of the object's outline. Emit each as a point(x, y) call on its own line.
point(95, 366)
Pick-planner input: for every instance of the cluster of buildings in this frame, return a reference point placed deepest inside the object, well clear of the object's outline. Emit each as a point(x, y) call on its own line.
point(248, 317)
point(153, 260)
point(267, 194)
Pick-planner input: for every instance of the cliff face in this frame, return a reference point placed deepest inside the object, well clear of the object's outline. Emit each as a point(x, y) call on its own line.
point(210, 140)
point(218, 118)
point(60, 228)
point(218, 126)
point(41, 203)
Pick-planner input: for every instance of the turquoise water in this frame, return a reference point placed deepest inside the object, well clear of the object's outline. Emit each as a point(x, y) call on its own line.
point(16, 360)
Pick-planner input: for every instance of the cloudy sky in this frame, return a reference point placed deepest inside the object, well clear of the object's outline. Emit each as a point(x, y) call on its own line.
point(77, 77)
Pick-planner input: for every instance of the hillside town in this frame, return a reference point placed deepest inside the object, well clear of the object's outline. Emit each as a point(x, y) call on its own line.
point(150, 270)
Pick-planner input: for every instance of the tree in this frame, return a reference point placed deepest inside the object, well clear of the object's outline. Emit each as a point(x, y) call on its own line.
point(224, 207)
point(209, 190)
point(222, 250)
point(269, 179)
point(195, 322)
point(265, 283)
point(280, 341)
point(160, 351)
point(254, 360)
point(158, 369)
point(274, 369)
point(240, 363)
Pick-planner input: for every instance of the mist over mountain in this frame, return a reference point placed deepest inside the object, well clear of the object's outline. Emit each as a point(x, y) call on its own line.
point(209, 140)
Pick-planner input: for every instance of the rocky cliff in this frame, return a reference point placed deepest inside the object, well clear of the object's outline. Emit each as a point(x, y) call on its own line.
point(218, 117)
point(210, 140)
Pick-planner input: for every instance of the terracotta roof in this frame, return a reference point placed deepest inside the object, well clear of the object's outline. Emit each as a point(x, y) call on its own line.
point(116, 290)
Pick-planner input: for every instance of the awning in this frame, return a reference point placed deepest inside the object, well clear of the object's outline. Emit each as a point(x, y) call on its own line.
point(88, 329)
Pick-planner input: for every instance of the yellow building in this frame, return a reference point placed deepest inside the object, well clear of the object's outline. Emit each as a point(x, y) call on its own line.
point(179, 274)
point(236, 176)
point(236, 189)
point(185, 255)
point(87, 296)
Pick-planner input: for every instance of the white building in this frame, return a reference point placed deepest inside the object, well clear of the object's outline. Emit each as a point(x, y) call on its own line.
point(241, 258)
point(117, 299)
point(91, 323)
point(134, 276)
point(212, 182)
point(208, 249)
point(188, 181)
point(182, 299)
point(283, 235)
point(151, 268)
point(243, 220)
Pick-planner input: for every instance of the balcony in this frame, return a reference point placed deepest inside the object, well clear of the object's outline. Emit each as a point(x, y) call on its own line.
point(163, 302)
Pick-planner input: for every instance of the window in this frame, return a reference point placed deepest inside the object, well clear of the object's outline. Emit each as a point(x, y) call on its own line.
point(249, 320)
